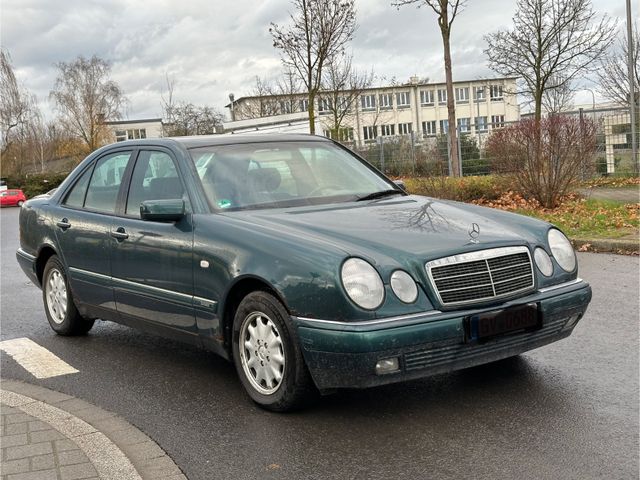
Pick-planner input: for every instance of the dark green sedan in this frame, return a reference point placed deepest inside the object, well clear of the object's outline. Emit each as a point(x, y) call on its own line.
point(297, 260)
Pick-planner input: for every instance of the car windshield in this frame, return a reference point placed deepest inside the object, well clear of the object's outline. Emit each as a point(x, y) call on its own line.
point(285, 174)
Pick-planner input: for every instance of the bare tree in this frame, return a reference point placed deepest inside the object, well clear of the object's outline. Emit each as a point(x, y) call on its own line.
point(551, 41)
point(189, 119)
point(86, 98)
point(558, 97)
point(341, 89)
point(446, 12)
point(613, 76)
point(319, 30)
point(15, 105)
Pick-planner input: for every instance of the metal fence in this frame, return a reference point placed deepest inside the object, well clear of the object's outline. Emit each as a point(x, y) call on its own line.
point(419, 154)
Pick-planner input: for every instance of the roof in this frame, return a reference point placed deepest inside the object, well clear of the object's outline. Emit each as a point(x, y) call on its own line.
point(226, 139)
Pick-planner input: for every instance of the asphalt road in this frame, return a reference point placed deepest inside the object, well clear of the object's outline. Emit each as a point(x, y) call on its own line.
point(568, 410)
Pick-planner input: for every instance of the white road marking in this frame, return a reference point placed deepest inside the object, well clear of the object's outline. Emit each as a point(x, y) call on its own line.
point(37, 360)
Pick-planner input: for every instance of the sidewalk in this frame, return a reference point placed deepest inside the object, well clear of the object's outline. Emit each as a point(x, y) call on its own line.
point(49, 435)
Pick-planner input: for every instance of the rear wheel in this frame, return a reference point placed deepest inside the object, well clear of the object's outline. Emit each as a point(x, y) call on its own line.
point(62, 313)
point(267, 355)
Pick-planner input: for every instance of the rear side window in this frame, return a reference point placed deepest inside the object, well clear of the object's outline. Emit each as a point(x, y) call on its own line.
point(104, 185)
point(75, 198)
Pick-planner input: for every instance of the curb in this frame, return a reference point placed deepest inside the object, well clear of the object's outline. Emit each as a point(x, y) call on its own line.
point(624, 247)
point(113, 445)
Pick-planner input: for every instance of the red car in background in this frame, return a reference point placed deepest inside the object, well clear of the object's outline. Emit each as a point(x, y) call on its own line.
point(11, 198)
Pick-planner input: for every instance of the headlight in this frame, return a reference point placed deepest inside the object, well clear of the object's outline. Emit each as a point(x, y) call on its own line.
point(404, 286)
point(562, 250)
point(543, 261)
point(362, 283)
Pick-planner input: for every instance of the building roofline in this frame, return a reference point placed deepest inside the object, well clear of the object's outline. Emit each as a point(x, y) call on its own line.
point(382, 87)
point(125, 122)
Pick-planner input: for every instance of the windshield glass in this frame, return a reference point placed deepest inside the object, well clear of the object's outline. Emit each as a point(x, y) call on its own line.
point(283, 174)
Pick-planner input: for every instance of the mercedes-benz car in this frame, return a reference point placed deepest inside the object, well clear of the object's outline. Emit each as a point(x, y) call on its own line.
point(296, 260)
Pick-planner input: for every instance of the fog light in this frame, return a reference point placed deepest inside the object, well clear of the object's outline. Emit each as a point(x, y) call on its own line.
point(572, 321)
point(387, 365)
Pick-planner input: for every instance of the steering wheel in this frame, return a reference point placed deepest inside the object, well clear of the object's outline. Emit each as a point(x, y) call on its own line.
point(331, 186)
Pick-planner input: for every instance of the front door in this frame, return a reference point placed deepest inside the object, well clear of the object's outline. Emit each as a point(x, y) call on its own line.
point(152, 261)
point(82, 225)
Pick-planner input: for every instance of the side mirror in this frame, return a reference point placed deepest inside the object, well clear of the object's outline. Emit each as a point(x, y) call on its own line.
point(400, 183)
point(170, 210)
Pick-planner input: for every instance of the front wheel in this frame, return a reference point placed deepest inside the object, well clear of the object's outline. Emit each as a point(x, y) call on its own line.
point(62, 313)
point(267, 355)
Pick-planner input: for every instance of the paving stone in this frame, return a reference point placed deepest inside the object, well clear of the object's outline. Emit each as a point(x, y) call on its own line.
point(41, 475)
point(45, 436)
point(15, 428)
point(16, 418)
point(43, 462)
point(129, 436)
point(14, 466)
point(6, 410)
point(93, 414)
point(76, 472)
point(63, 445)
point(71, 457)
point(13, 440)
point(159, 467)
point(145, 451)
point(37, 425)
point(24, 451)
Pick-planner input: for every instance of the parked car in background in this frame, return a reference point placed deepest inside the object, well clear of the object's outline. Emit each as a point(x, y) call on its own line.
point(297, 260)
point(12, 198)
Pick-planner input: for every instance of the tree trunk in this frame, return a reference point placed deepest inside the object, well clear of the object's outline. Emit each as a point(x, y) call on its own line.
point(312, 112)
point(451, 109)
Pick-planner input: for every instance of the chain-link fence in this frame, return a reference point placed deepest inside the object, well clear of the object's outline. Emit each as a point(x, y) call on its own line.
point(419, 154)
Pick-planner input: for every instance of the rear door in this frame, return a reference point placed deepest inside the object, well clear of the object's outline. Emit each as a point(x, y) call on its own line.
point(152, 261)
point(82, 223)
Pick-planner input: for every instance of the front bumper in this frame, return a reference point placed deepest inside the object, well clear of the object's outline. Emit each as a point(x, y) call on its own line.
point(344, 354)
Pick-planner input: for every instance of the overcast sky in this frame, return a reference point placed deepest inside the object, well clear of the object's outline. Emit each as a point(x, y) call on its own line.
point(213, 47)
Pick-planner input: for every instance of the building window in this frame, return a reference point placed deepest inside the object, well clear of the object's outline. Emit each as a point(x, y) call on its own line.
point(404, 128)
point(370, 133)
point(368, 102)
point(386, 101)
point(479, 93)
point(387, 130)
point(442, 96)
point(444, 127)
point(497, 121)
point(403, 99)
point(324, 106)
point(429, 128)
point(496, 93)
point(343, 134)
point(304, 105)
point(462, 95)
point(464, 124)
point(285, 106)
point(426, 98)
point(481, 124)
point(131, 134)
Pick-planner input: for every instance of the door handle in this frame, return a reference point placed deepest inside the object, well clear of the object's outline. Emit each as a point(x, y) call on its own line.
point(119, 234)
point(63, 224)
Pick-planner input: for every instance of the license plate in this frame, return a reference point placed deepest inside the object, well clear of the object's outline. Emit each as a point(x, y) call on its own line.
point(490, 324)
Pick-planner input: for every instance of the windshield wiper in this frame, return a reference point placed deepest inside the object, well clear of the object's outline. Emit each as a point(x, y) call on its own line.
point(380, 194)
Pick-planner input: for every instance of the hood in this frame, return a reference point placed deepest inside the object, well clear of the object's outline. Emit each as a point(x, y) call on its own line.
point(408, 226)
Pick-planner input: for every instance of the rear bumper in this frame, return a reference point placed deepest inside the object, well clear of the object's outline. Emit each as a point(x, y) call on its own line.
point(28, 264)
point(344, 355)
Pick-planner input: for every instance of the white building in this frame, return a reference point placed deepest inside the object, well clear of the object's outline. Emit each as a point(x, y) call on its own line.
point(391, 110)
point(134, 129)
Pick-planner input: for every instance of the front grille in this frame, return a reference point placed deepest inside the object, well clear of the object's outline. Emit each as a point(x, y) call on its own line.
point(481, 276)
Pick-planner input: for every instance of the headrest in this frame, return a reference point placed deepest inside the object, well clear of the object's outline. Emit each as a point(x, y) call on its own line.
point(265, 179)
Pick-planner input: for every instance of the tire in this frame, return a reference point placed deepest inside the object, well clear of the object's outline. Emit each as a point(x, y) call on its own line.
point(61, 311)
point(272, 370)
